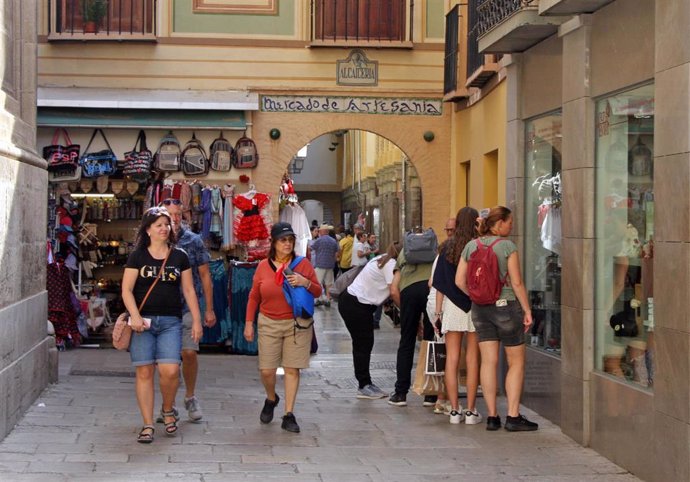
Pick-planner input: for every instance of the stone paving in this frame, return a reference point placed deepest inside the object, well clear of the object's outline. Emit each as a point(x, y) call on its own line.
point(84, 429)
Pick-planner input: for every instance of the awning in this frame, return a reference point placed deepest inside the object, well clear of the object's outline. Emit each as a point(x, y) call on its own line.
point(141, 118)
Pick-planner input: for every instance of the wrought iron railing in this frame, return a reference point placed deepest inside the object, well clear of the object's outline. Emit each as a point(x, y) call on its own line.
point(474, 58)
point(494, 12)
point(361, 20)
point(102, 19)
point(450, 62)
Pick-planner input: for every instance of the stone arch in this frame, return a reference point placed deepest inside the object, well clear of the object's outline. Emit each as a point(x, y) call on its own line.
point(430, 159)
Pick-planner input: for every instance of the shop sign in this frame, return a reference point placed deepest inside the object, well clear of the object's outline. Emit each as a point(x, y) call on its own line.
point(357, 69)
point(350, 105)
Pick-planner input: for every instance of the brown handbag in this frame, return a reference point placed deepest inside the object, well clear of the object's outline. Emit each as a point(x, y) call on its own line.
point(122, 332)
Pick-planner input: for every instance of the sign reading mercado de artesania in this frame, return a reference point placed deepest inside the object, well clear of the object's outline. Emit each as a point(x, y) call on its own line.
point(350, 105)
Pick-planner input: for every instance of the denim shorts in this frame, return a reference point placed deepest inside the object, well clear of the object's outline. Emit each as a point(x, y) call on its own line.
point(162, 343)
point(499, 323)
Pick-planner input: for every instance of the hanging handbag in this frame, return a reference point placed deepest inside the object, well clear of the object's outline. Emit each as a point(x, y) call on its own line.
point(101, 163)
point(61, 157)
point(137, 165)
point(122, 332)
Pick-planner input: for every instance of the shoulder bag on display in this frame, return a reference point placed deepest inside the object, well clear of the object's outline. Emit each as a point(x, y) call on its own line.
point(100, 163)
point(194, 160)
point(246, 156)
point(61, 157)
point(167, 156)
point(137, 165)
point(122, 332)
point(222, 154)
point(420, 248)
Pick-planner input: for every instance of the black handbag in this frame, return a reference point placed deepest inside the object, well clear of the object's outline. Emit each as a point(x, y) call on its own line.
point(61, 157)
point(101, 163)
point(138, 161)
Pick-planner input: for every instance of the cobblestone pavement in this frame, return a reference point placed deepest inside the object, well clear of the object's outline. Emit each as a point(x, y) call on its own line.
point(84, 429)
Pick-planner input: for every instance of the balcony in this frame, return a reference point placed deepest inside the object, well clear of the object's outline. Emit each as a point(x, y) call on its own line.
point(102, 20)
point(506, 26)
point(361, 23)
point(480, 67)
point(570, 7)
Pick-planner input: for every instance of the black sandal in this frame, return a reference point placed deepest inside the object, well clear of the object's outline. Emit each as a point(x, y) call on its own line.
point(170, 427)
point(146, 434)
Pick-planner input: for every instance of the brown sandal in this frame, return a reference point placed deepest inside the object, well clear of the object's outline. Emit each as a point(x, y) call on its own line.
point(146, 434)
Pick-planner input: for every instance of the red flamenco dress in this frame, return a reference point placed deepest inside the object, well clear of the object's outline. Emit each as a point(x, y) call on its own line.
point(251, 225)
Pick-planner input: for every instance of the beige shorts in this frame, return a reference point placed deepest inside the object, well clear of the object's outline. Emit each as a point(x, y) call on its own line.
point(324, 275)
point(188, 342)
point(283, 345)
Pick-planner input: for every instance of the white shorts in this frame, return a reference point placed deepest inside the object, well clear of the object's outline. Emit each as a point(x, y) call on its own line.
point(454, 319)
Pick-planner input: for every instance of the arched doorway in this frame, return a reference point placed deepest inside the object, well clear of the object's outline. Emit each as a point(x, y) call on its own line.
point(350, 176)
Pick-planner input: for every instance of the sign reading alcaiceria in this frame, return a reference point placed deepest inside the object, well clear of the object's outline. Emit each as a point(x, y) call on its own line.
point(350, 105)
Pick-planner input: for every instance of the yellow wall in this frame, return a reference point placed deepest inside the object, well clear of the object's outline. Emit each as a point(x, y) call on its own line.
point(478, 136)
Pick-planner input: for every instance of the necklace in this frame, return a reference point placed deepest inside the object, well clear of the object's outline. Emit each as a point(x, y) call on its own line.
point(282, 260)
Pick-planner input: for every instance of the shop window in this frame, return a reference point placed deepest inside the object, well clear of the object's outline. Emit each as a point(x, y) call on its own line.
point(624, 330)
point(543, 230)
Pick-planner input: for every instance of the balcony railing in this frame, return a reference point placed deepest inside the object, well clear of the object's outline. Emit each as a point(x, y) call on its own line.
point(102, 19)
point(493, 12)
point(480, 67)
point(343, 22)
point(450, 63)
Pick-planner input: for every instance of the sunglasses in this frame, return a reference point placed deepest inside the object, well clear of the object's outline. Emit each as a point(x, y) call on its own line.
point(174, 202)
point(286, 239)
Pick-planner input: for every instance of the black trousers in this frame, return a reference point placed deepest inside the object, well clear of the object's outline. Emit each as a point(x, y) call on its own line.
point(412, 306)
point(359, 322)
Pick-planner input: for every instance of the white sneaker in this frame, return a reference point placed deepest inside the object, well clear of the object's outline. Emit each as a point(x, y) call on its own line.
point(472, 418)
point(456, 417)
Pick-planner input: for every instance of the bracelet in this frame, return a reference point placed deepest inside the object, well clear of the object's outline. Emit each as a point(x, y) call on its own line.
point(438, 313)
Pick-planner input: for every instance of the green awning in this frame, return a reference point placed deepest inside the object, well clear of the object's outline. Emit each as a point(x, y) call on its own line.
point(141, 118)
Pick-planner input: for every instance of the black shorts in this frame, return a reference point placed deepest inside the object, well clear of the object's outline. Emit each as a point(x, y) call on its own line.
point(500, 323)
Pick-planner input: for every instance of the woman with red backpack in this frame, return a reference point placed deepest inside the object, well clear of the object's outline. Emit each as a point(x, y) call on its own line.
point(489, 272)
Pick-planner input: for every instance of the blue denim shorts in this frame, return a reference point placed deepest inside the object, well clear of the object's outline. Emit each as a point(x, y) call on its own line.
point(162, 343)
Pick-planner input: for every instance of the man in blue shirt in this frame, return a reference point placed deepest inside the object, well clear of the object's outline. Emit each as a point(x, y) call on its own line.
point(198, 259)
point(324, 252)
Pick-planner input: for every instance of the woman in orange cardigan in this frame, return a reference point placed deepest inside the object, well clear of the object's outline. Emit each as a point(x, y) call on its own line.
point(283, 339)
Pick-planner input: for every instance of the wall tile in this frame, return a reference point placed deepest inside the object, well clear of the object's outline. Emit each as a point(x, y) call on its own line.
point(576, 53)
point(571, 273)
point(672, 119)
point(671, 279)
point(542, 388)
point(672, 48)
point(671, 461)
point(672, 197)
point(672, 374)
point(578, 133)
point(572, 342)
point(572, 405)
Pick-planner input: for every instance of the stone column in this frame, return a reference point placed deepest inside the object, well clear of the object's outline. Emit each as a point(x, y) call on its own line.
point(577, 297)
point(672, 241)
point(28, 358)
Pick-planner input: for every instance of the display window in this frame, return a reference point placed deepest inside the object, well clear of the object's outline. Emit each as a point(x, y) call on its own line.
point(542, 256)
point(624, 212)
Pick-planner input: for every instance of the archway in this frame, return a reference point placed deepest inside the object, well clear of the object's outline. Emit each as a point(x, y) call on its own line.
point(430, 158)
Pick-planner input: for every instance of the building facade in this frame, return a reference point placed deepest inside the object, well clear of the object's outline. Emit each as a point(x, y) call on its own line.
point(597, 116)
point(28, 357)
point(256, 68)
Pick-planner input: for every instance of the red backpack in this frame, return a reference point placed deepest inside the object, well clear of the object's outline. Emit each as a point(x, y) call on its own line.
point(484, 280)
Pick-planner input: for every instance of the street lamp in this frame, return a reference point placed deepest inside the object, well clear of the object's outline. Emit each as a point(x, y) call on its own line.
point(297, 163)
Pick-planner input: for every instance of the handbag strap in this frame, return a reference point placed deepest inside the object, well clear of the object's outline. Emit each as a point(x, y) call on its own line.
point(96, 131)
point(141, 142)
point(141, 305)
point(65, 135)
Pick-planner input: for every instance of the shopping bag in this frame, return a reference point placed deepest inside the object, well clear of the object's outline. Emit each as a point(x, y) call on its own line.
point(435, 357)
point(426, 384)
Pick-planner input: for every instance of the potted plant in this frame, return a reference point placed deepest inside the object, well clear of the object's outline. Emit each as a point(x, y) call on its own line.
point(92, 13)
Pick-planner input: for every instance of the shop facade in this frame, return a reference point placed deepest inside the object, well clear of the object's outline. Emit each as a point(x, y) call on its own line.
point(597, 117)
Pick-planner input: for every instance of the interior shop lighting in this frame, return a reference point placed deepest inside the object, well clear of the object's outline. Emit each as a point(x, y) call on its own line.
point(92, 195)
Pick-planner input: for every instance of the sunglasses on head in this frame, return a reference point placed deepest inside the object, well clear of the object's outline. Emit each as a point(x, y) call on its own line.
point(174, 202)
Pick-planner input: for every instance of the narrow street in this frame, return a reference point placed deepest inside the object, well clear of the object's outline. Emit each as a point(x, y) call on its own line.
point(84, 428)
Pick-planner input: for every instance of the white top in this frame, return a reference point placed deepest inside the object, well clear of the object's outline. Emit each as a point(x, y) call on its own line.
point(356, 260)
point(372, 285)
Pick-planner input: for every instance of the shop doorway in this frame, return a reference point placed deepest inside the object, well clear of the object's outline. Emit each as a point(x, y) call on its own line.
point(354, 176)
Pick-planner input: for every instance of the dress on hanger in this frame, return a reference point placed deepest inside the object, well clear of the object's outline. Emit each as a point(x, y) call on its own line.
point(228, 237)
point(250, 225)
point(216, 224)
